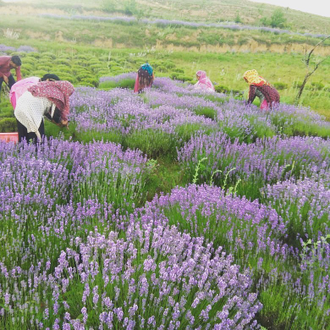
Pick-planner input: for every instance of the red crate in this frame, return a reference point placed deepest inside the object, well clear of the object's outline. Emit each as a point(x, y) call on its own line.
point(9, 137)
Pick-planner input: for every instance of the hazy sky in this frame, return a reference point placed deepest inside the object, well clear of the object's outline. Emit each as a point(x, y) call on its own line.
point(317, 7)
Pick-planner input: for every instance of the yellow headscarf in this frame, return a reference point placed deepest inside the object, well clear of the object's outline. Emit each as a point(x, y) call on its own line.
point(253, 78)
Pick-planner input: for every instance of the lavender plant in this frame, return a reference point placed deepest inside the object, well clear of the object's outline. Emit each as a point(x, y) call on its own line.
point(265, 161)
point(81, 248)
point(304, 204)
point(155, 277)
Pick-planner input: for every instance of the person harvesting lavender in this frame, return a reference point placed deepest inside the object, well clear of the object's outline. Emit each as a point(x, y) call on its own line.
point(8, 63)
point(36, 102)
point(203, 83)
point(20, 87)
point(145, 78)
point(261, 88)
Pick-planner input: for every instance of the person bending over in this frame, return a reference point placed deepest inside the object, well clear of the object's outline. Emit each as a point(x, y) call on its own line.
point(145, 78)
point(41, 99)
point(259, 87)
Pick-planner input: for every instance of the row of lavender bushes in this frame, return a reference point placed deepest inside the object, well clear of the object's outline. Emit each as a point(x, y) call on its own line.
point(244, 244)
point(74, 258)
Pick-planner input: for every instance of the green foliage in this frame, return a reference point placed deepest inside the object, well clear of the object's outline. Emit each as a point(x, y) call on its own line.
point(124, 83)
point(207, 112)
point(89, 136)
point(130, 7)
point(165, 175)
point(221, 89)
point(179, 76)
point(109, 6)
point(316, 86)
point(238, 18)
point(6, 109)
point(62, 60)
point(257, 129)
point(50, 55)
point(127, 7)
point(280, 86)
point(8, 125)
point(153, 143)
point(52, 130)
point(277, 20)
point(295, 125)
point(186, 131)
point(297, 84)
point(6, 112)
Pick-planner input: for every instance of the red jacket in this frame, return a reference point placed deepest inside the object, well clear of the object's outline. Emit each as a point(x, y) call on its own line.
point(5, 68)
point(270, 94)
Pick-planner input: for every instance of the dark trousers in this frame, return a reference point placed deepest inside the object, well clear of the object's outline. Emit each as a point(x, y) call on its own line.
point(11, 82)
point(23, 133)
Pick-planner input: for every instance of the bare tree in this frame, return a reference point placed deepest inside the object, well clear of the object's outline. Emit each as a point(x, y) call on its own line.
point(310, 71)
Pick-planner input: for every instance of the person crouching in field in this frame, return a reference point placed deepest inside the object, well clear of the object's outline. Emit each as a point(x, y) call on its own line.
point(8, 63)
point(38, 101)
point(145, 78)
point(259, 87)
point(203, 83)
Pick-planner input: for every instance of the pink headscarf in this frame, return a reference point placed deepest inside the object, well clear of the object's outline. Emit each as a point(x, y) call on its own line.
point(20, 87)
point(203, 81)
point(57, 92)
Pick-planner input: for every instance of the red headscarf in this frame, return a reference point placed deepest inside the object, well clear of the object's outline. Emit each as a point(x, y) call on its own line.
point(57, 92)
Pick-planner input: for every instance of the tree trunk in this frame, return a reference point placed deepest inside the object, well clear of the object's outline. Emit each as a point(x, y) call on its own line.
point(302, 88)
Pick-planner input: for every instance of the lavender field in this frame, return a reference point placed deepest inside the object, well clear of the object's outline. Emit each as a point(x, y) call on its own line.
point(240, 241)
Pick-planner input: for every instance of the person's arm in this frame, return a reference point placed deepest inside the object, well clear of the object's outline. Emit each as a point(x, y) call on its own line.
point(59, 119)
point(64, 123)
point(18, 73)
point(252, 94)
point(53, 114)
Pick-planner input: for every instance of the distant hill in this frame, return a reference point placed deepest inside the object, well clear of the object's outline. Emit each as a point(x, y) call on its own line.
point(195, 25)
point(244, 11)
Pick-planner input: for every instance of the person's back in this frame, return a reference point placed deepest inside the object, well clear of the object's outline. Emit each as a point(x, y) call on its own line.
point(270, 95)
point(20, 88)
point(145, 78)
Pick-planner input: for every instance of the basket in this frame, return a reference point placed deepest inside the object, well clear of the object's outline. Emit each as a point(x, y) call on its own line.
point(9, 137)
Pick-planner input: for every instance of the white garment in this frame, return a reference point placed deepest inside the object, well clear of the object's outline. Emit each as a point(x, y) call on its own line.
point(30, 110)
point(203, 87)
